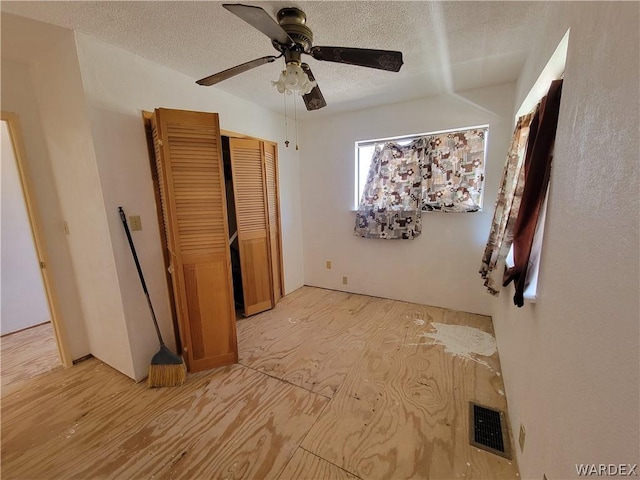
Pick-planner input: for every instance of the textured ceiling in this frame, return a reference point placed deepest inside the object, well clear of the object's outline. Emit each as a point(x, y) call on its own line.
point(447, 46)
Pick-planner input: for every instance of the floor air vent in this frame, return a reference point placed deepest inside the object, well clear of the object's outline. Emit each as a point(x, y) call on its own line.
point(488, 430)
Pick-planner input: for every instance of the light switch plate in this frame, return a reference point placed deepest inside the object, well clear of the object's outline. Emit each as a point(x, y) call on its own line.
point(135, 222)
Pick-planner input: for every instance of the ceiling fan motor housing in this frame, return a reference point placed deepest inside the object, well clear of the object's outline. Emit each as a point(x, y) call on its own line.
point(293, 21)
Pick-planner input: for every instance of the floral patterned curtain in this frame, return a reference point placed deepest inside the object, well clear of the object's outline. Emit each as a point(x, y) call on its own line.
point(442, 172)
point(453, 171)
point(390, 203)
point(507, 207)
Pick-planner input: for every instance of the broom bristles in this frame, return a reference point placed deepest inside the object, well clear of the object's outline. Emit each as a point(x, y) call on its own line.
point(167, 375)
point(167, 369)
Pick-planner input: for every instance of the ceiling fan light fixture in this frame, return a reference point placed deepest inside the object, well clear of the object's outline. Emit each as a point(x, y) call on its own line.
point(294, 80)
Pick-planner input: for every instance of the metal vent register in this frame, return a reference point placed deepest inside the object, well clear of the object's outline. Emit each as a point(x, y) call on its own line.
point(488, 430)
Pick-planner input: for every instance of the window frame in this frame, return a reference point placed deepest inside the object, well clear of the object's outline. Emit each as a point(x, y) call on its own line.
point(553, 70)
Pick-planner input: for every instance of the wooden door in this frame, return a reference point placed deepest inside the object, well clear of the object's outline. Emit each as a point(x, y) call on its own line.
point(190, 170)
point(273, 210)
point(251, 214)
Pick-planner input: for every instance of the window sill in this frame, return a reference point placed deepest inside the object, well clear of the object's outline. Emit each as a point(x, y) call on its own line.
point(530, 293)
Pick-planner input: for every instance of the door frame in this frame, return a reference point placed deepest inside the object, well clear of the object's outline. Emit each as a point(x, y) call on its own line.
point(15, 133)
point(146, 120)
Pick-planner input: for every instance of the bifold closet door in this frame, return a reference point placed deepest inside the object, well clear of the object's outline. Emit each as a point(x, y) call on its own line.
point(273, 209)
point(251, 214)
point(190, 170)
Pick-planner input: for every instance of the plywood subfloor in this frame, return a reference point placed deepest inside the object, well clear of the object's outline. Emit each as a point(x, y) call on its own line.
point(26, 354)
point(330, 385)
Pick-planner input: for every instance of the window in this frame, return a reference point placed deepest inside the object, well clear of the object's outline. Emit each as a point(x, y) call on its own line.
point(454, 167)
point(363, 161)
point(554, 69)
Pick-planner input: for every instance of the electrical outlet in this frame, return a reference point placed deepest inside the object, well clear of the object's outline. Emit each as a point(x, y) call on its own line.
point(344, 280)
point(328, 264)
point(135, 222)
point(523, 434)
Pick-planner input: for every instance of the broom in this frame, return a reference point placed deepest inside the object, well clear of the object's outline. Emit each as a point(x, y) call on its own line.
point(167, 369)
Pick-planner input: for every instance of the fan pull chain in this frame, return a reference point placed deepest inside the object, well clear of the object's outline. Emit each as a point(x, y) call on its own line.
point(295, 117)
point(286, 126)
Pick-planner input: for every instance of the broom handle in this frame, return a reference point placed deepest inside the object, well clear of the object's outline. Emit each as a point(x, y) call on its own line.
point(144, 285)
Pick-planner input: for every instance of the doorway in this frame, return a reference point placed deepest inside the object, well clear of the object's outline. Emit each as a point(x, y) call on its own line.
point(29, 344)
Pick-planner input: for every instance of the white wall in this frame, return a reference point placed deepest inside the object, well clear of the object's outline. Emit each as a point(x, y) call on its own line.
point(571, 361)
point(440, 267)
point(91, 157)
point(118, 86)
point(67, 130)
point(18, 96)
point(23, 302)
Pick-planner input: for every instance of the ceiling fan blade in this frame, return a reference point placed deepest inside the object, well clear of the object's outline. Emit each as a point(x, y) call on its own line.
point(261, 20)
point(314, 99)
point(233, 71)
point(382, 59)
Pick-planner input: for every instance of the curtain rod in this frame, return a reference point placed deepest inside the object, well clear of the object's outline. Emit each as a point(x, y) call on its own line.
point(404, 138)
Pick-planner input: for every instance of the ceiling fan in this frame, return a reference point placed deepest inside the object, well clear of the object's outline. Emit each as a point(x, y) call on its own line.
point(292, 37)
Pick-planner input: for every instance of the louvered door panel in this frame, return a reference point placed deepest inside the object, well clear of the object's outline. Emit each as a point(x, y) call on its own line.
point(273, 211)
point(251, 215)
point(194, 206)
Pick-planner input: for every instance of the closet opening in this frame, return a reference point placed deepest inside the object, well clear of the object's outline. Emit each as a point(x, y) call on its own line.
point(219, 215)
point(234, 244)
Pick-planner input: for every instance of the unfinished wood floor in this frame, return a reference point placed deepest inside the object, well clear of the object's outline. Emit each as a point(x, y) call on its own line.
point(26, 354)
point(330, 385)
